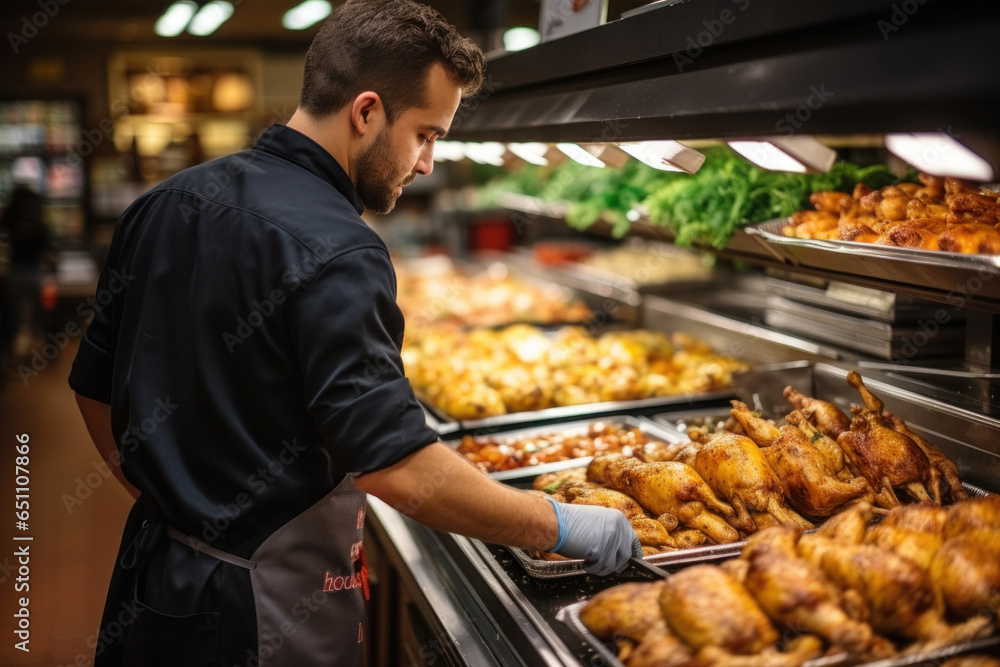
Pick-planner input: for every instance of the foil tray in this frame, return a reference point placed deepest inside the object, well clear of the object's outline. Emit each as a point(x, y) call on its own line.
point(962, 276)
point(570, 615)
point(524, 475)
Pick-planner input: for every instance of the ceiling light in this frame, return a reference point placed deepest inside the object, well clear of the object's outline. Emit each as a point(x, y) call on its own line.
point(307, 14)
point(448, 151)
point(665, 155)
point(609, 154)
point(489, 152)
point(210, 17)
point(578, 154)
point(796, 154)
point(532, 152)
point(175, 19)
point(939, 154)
point(520, 38)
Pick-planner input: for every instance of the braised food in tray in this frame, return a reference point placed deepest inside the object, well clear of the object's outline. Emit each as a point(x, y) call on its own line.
point(725, 486)
point(485, 373)
point(493, 454)
point(919, 580)
point(935, 214)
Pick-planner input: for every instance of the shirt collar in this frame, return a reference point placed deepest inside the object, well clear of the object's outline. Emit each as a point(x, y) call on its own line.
point(296, 147)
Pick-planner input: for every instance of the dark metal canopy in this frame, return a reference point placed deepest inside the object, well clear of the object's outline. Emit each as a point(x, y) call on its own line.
point(742, 68)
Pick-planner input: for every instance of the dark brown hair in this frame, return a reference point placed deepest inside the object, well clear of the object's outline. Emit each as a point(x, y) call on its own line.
point(387, 46)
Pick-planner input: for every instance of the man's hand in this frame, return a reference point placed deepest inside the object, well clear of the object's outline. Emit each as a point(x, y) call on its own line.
point(438, 487)
point(601, 536)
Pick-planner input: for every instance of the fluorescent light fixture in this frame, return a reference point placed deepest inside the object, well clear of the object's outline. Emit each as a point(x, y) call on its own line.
point(210, 17)
point(488, 152)
point(532, 152)
point(578, 154)
point(307, 14)
point(520, 38)
point(665, 155)
point(175, 19)
point(448, 151)
point(939, 154)
point(796, 154)
point(609, 154)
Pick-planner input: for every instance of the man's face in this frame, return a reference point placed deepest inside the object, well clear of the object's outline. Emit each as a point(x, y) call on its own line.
point(406, 148)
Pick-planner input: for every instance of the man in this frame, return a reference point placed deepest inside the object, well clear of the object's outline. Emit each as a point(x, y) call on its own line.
point(246, 373)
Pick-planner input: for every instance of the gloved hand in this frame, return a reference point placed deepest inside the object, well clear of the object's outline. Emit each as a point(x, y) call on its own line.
point(601, 536)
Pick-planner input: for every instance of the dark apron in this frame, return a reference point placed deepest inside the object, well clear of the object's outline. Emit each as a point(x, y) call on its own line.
point(309, 580)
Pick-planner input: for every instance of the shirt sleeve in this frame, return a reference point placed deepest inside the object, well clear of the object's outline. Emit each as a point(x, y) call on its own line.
point(348, 331)
point(91, 375)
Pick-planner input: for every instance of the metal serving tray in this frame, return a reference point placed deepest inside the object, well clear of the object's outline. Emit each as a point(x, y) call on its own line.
point(957, 273)
point(524, 475)
point(514, 420)
point(570, 615)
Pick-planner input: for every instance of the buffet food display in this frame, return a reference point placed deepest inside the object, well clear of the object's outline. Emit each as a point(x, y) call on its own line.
point(484, 372)
point(437, 293)
point(851, 592)
point(722, 487)
point(493, 454)
point(936, 214)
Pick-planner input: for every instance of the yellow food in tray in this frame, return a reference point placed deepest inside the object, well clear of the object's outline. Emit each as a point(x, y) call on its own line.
point(935, 214)
point(485, 373)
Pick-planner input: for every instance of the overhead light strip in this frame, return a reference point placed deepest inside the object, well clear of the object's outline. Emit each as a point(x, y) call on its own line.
point(175, 19)
point(210, 17)
point(307, 14)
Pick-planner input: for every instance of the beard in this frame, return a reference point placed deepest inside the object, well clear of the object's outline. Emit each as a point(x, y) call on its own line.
point(377, 177)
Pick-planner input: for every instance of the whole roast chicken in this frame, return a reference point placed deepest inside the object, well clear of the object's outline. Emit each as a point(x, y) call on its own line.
point(667, 487)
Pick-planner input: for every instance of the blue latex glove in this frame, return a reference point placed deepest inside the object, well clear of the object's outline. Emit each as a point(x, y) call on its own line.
point(601, 536)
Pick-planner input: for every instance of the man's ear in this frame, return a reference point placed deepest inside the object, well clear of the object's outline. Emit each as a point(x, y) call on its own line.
point(367, 112)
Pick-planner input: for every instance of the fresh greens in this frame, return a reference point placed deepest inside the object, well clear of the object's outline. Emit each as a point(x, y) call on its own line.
point(704, 209)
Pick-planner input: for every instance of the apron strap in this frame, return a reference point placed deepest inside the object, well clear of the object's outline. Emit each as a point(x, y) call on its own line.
point(198, 545)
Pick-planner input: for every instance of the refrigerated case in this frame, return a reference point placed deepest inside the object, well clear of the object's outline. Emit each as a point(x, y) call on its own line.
point(721, 69)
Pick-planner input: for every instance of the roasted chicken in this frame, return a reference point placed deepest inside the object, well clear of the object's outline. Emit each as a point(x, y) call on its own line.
point(966, 570)
point(798, 594)
point(810, 480)
point(827, 417)
point(704, 606)
point(651, 532)
point(913, 531)
point(898, 592)
point(973, 514)
point(667, 487)
point(935, 214)
point(945, 484)
point(829, 447)
point(734, 466)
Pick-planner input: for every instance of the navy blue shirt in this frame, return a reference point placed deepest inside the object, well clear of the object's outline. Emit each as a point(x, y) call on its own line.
point(247, 339)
